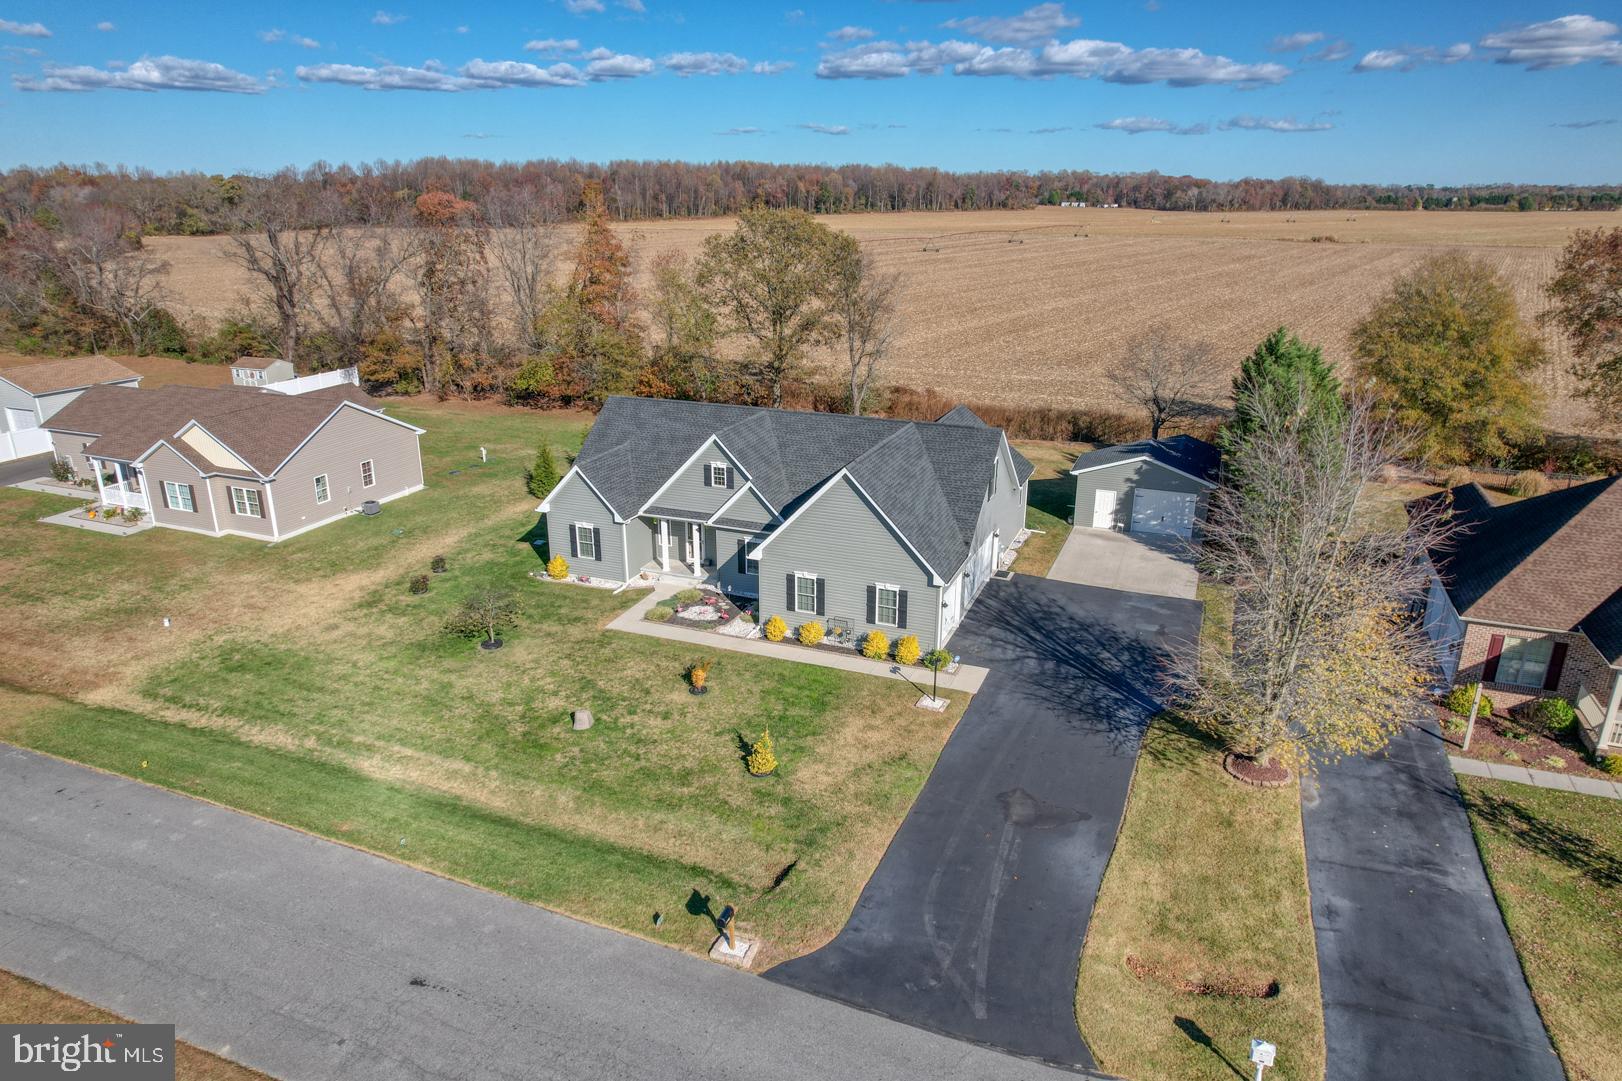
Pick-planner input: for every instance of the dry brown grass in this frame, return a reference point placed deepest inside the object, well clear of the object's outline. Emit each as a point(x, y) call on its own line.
point(24, 1002)
point(1032, 306)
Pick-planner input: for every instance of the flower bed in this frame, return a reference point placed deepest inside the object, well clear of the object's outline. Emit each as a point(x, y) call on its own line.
point(1515, 742)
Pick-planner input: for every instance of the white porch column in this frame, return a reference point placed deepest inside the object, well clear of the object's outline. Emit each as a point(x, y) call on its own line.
point(695, 546)
point(1607, 731)
point(101, 493)
point(664, 545)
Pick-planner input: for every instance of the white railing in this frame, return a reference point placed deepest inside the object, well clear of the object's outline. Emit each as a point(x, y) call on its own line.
point(122, 495)
point(306, 383)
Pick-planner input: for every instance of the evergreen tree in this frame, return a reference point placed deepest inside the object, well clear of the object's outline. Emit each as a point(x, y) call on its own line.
point(1283, 370)
point(543, 475)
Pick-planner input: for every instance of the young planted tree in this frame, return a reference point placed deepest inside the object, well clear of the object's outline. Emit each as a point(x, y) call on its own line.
point(1586, 294)
point(864, 303)
point(279, 231)
point(771, 280)
point(543, 475)
point(1449, 356)
point(484, 614)
point(1169, 380)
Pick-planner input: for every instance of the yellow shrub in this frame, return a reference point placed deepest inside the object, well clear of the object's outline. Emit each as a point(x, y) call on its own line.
point(557, 567)
point(876, 645)
point(810, 633)
point(775, 629)
point(762, 759)
point(907, 651)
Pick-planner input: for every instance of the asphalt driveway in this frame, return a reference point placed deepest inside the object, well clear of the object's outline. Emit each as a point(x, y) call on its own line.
point(1419, 976)
point(32, 467)
point(312, 961)
point(1138, 563)
point(973, 922)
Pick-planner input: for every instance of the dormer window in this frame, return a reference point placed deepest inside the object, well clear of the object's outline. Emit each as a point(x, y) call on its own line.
point(718, 474)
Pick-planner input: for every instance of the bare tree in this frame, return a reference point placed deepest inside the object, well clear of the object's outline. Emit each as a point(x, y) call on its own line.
point(354, 298)
point(109, 273)
point(864, 302)
point(1167, 378)
point(1324, 659)
point(452, 285)
point(522, 241)
point(279, 232)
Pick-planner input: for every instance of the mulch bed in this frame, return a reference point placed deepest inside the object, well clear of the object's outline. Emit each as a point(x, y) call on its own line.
point(1507, 741)
point(1226, 985)
point(1267, 774)
point(715, 601)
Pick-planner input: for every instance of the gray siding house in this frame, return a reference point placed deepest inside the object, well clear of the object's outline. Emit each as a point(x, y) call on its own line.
point(1155, 486)
point(861, 523)
point(31, 394)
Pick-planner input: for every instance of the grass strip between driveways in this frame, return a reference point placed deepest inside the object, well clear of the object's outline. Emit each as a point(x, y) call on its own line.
point(1555, 863)
point(24, 1002)
point(1048, 504)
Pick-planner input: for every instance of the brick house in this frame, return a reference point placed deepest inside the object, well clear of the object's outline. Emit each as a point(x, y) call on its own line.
point(1527, 599)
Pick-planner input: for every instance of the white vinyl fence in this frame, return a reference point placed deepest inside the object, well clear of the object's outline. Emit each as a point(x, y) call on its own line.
point(306, 383)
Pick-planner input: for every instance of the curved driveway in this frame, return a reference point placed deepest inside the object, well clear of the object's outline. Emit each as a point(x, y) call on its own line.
point(973, 922)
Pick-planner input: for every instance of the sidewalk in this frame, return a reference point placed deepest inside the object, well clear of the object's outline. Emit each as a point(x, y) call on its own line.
point(1542, 778)
point(966, 679)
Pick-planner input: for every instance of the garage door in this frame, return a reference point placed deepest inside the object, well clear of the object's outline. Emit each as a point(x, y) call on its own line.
point(1163, 512)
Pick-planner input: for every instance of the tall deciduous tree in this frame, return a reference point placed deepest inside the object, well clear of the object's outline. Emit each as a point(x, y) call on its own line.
point(864, 303)
point(771, 280)
point(1170, 380)
point(278, 233)
point(522, 241)
point(1586, 293)
point(684, 332)
point(1448, 354)
point(452, 312)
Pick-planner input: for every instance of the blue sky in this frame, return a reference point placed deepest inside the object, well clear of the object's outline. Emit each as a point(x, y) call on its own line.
point(1372, 91)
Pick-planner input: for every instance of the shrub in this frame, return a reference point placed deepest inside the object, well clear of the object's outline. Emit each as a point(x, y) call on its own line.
point(698, 673)
point(1612, 764)
point(133, 514)
point(557, 567)
point(1552, 761)
point(688, 596)
point(1457, 477)
point(1453, 723)
point(937, 659)
point(876, 646)
point(484, 614)
point(1554, 714)
point(437, 564)
point(419, 583)
point(1527, 483)
point(810, 633)
point(906, 650)
point(658, 614)
point(1511, 756)
point(61, 471)
point(775, 629)
point(762, 757)
point(1460, 697)
point(543, 475)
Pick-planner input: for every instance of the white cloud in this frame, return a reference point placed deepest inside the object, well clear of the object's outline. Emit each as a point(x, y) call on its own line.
point(851, 33)
point(1558, 43)
point(552, 46)
point(582, 7)
point(479, 135)
point(271, 37)
point(461, 29)
point(149, 73)
point(1294, 43)
point(1191, 67)
point(1049, 131)
point(605, 65)
point(1082, 58)
point(685, 64)
point(106, 27)
point(1138, 125)
point(633, 5)
point(1285, 125)
point(826, 129)
point(742, 131)
point(24, 30)
point(383, 77)
point(494, 74)
point(1032, 26)
point(388, 18)
point(1410, 57)
point(1579, 125)
point(1333, 51)
point(771, 67)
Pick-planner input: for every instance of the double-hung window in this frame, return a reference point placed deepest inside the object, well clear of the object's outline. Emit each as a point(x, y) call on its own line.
point(322, 491)
point(805, 592)
point(245, 502)
point(718, 474)
point(586, 540)
point(368, 476)
point(177, 496)
point(1524, 662)
point(887, 606)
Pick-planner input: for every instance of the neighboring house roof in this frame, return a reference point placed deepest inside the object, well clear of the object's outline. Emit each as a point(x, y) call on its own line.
point(1192, 457)
point(259, 428)
point(963, 415)
point(1549, 562)
point(258, 363)
point(69, 373)
point(928, 479)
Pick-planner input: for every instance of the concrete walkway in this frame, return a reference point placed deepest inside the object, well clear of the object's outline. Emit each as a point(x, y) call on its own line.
point(316, 962)
point(1542, 778)
point(966, 679)
point(1135, 563)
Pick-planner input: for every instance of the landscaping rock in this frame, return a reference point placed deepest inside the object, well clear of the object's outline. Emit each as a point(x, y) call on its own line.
point(582, 719)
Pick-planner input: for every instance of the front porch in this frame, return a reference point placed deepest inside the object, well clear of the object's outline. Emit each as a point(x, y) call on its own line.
point(121, 485)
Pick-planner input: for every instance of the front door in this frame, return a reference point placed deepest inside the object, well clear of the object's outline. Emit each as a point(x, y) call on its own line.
point(1104, 509)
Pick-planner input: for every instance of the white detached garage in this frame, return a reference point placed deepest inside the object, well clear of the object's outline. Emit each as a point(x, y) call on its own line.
point(1151, 487)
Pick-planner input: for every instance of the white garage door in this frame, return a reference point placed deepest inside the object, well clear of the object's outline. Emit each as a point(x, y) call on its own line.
point(1163, 512)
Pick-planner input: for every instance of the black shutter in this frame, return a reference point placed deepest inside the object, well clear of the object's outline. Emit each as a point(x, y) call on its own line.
point(791, 607)
point(1557, 665)
point(262, 498)
point(822, 596)
point(167, 505)
point(901, 610)
point(1495, 648)
point(596, 543)
point(872, 604)
point(743, 557)
point(732, 479)
point(707, 472)
point(574, 544)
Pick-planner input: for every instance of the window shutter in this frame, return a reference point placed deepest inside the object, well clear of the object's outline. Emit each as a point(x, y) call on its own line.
point(791, 597)
point(191, 496)
point(596, 543)
point(743, 557)
point(872, 604)
point(574, 544)
point(707, 472)
point(263, 495)
point(1557, 666)
point(822, 596)
point(732, 479)
point(901, 610)
point(1489, 668)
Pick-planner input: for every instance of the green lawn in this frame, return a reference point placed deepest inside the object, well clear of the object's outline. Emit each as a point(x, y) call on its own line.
point(302, 681)
point(1050, 504)
point(1555, 861)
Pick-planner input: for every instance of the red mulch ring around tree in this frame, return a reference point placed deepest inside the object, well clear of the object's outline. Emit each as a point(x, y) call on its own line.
point(1267, 774)
point(1227, 986)
point(1513, 742)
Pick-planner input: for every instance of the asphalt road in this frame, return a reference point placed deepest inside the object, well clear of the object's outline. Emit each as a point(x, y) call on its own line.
point(31, 468)
point(1419, 976)
point(312, 961)
point(973, 922)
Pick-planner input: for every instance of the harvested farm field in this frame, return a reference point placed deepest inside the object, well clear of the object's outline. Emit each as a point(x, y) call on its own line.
point(1032, 307)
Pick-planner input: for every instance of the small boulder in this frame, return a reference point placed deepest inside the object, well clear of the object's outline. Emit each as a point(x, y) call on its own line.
point(582, 719)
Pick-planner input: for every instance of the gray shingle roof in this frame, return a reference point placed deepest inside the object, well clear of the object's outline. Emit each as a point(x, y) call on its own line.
point(964, 416)
point(1183, 453)
point(929, 479)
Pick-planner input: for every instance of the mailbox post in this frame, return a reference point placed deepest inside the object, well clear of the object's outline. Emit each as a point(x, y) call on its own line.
point(1262, 1054)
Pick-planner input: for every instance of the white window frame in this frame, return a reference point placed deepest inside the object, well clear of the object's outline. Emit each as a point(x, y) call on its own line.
point(751, 565)
point(177, 496)
point(323, 488)
point(1523, 666)
point(368, 474)
point(585, 536)
point(802, 576)
point(243, 497)
point(718, 480)
point(879, 589)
